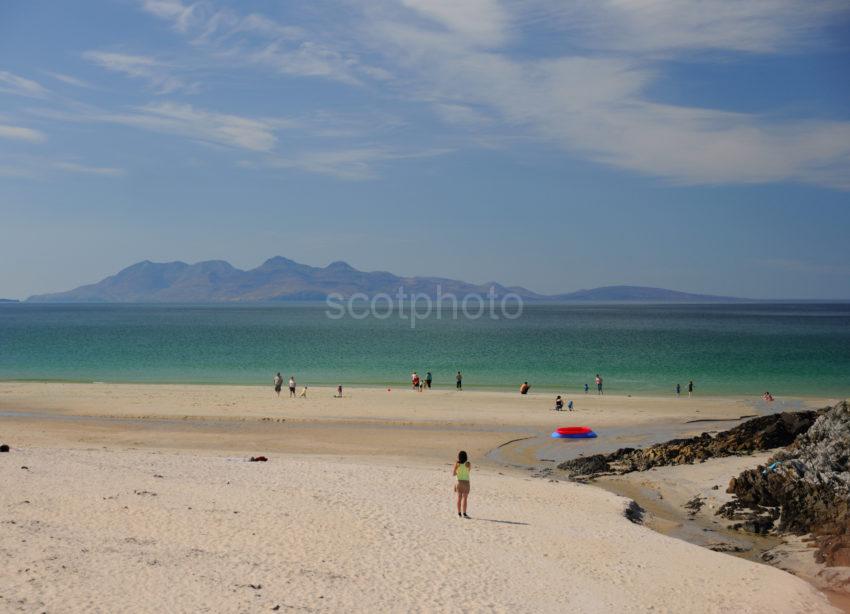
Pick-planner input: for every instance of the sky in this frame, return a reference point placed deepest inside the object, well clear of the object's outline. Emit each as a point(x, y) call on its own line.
point(692, 145)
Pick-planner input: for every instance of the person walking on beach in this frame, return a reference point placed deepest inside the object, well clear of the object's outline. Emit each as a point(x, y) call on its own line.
point(559, 403)
point(303, 394)
point(586, 388)
point(570, 405)
point(678, 390)
point(428, 378)
point(291, 386)
point(598, 384)
point(459, 381)
point(461, 470)
point(338, 394)
point(278, 383)
point(690, 388)
point(414, 379)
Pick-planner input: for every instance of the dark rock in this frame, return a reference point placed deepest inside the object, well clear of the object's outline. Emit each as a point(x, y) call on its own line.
point(634, 512)
point(695, 505)
point(4, 448)
point(763, 433)
point(803, 489)
point(587, 465)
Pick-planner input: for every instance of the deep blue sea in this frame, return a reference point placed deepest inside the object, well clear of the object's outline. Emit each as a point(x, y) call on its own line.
point(801, 349)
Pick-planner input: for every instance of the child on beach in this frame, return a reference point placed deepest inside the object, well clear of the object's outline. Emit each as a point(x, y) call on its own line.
point(559, 403)
point(338, 394)
point(461, 470)
point(570, 405)
point(586, 387)
point(303, 394)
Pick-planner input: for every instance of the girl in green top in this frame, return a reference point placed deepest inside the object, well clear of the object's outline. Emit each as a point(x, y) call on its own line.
point(461, 470)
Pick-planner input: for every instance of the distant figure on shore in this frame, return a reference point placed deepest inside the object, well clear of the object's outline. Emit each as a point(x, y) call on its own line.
point(690, 388)
point(678, 390)
point(291, 386)
point(338, 394)
point(428, 378)
point(414, 379)
point(278, 383)
point(459, 381)
point(599, 385)
point(303, 394)
point(461, 470)
point(524, 388)
point(570, 405)
point(767, 397)
point(586, 388)
point(559, 403)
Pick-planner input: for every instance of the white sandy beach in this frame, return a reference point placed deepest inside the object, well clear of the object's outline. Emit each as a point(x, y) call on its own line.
point(145, 515)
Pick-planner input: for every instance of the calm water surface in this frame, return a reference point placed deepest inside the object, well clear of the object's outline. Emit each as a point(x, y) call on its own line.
point(726, 349)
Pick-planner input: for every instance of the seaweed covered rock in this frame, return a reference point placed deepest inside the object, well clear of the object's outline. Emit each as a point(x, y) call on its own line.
point(757, 434)
point(803, 489)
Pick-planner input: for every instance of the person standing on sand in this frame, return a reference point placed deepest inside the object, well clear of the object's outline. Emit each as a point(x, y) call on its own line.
point(599, 385)
point(586, 388)
point(303, 394)
point(690, 388)
point(678, 390)
point(414, 379)
point(278, 383)
point(291, 386)
point(459, 380)
point(461, 470)
point(428, 379)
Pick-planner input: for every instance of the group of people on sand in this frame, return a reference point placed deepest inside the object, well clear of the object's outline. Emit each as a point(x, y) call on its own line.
point(278, 386)
point(419, 384)
point(690, 389)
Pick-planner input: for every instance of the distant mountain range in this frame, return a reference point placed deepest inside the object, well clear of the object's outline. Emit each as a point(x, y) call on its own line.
point(281, 279)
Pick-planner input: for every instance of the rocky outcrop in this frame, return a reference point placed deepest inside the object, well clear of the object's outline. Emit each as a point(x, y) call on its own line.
point(803, 489)
point(763, 433)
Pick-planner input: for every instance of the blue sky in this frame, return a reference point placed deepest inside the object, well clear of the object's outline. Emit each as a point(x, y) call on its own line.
point(700, 146)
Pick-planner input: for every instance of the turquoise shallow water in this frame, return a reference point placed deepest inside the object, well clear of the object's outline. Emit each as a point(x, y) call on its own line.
point(801, 349)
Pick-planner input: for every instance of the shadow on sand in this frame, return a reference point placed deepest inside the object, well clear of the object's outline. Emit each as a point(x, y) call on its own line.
point(525, 524)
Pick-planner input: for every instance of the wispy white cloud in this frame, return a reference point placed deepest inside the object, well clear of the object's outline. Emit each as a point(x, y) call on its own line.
point(352, 164)
point(75, 167)
point(69, 80)
point(254, 39)
point(158, 74)
point(20, 133)
point(44, 167)
point(597, 106)
point(14, 84)
point(183, 120)
point(665, 26)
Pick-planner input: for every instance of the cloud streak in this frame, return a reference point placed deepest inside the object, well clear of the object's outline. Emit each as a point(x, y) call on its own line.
point(156, 73)
point(14, 84)
point(597, 106)
point(19, 133)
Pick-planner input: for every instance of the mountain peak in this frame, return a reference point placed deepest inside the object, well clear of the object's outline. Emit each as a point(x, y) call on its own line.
point(278, 262)
point(340, 265)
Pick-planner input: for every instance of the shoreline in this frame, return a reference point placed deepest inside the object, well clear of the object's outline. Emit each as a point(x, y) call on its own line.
point(405, 385)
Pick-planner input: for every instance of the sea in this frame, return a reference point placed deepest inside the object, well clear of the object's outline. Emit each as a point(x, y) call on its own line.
point(726, 349)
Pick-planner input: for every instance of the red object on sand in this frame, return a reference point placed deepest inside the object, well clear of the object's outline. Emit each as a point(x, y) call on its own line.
point(572, 430)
